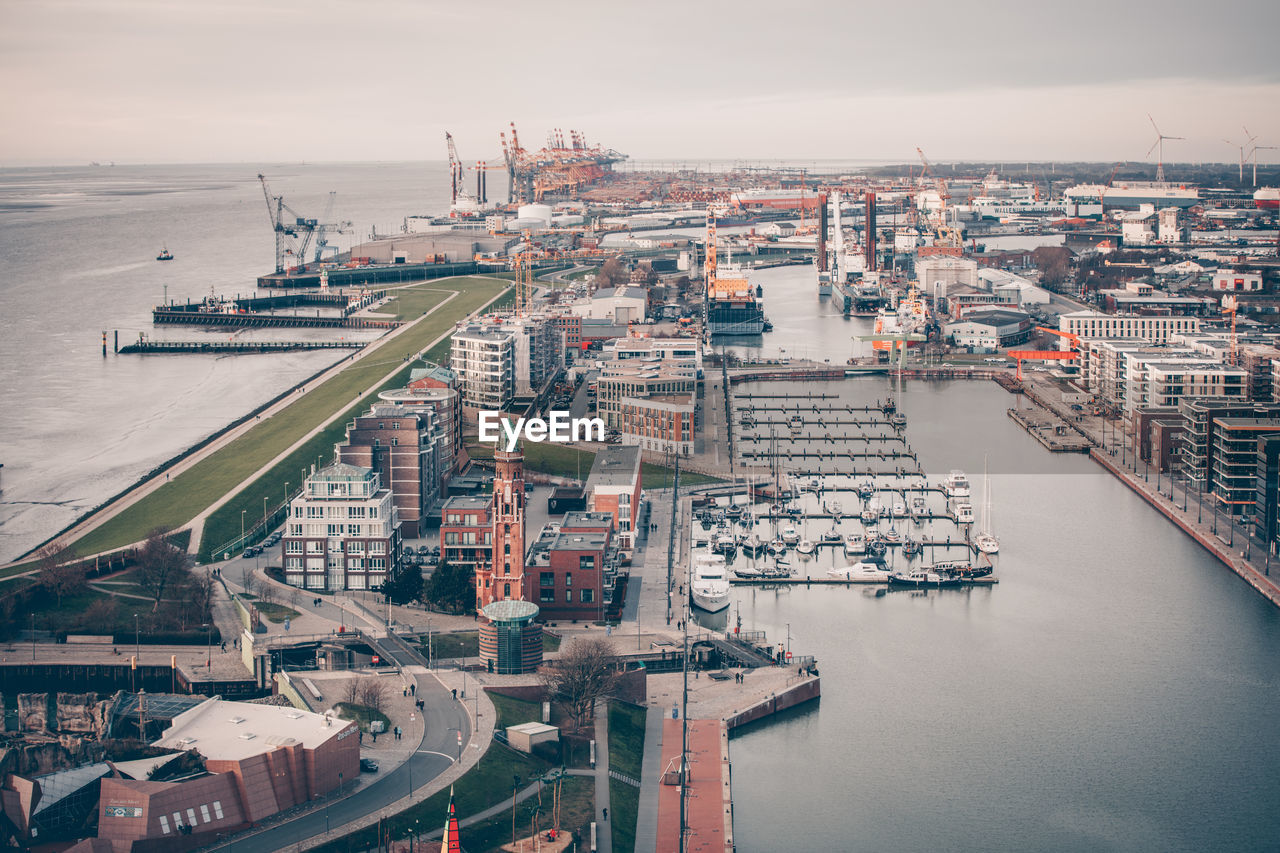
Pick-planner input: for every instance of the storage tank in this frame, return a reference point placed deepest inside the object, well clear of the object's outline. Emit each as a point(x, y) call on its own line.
point(535, 211)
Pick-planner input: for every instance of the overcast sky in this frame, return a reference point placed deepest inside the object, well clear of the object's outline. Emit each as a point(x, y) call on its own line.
point(144, 81)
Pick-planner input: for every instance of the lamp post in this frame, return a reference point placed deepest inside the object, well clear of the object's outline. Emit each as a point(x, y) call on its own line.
point(264, 512)
point(137, 638)
point(33, 637)
point(208, 646)
point(242, 512)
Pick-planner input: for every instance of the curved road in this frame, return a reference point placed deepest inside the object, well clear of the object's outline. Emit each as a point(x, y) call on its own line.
point(435, 754)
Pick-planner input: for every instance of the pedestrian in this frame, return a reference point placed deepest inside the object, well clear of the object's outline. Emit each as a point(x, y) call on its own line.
point(224, 645)
point(406, 692)
point(413, 689)
point(606, 814)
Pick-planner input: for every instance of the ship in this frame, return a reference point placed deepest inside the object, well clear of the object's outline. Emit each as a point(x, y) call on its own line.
point(165, 255)
point(732, 306)
point(909, 317)
point(1130, 195)
point(1267, 198)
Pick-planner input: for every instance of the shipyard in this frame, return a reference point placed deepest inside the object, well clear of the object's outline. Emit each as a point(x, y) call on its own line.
point(639, 432)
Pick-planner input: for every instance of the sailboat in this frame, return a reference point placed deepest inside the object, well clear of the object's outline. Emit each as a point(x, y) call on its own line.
point(986, 541)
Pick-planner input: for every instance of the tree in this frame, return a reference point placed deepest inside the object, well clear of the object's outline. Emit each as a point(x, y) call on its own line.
point(161, 566)
point(586, 671)
point(1055, 265)
point(60, 571)
point(612, 273)
point(406, 586)
point(351, 690)
point(452, 588)
point(372, 693)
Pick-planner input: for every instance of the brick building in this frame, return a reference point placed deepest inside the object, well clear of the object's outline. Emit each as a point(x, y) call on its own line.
point(614, 487)
point(259, 760)
point(576, 567)
point(504, 577)
point(408, 450)
point(466, 531)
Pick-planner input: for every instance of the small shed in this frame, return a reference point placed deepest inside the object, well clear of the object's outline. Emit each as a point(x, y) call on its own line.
point(526, 736)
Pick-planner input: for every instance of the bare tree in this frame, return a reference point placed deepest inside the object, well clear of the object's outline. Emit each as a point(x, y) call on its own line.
point(248, 581)
point(372, 693)
point(161, 566)
point(295, 598)
point(60, 571)
point(586, 671)
point(351, 691)
point(199, 594)
point(267, 592)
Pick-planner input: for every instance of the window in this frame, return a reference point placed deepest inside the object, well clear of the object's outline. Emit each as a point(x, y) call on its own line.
point(568, 596)
point(355, 547)
point(378, 563)
point(395, 440)
point(548, 596)
point(353, 530)
point(217, 809)
point(568, 579)
point(587, 563)
point(293, 546)
point(506, 590)
point(164, 824)
point(377, 547)
point(547, 579)
point(204, 813)
point(588, 595)
point(506, 549)
point(293, 563)
point(334, 530)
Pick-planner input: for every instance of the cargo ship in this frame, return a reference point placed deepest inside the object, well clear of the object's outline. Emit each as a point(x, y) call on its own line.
point(732, 306)
point(1130, 195)
point(909, 317)
point(1267, 198)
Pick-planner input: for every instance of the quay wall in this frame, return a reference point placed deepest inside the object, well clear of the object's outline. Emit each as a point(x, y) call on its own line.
point(1256, 579)
point(789, 698)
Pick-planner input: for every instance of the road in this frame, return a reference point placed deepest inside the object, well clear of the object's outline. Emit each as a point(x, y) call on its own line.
point(436, 753)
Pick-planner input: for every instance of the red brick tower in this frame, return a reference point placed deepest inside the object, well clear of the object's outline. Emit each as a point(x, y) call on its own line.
point(505, 578)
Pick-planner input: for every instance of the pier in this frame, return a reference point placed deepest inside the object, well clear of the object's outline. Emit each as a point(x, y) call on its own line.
point(145, 347)
point(258, 311)
point(1050, 430)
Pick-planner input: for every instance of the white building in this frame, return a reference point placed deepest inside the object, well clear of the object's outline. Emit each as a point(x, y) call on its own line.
point(343, 532)
point(1136, 228)
point(484, 359)
point(1247, 282)
point(1095, 324)
point(1012, 289)
point(682, 350)
point(936, 272)
point(619, 305)
point(1170, 229)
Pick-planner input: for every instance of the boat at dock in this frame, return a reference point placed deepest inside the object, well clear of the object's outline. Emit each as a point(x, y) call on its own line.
point(709, 589)
point(926, 577)
point(864, 571)
point(831, 537)
point(753, 545)
point(790, 535)
point(165, 255)
point(964, 513)
point(725, 544)
point(871, 512)
point(957, 484)
point(777, 546)
point(805, 547)
point(854, 544)
point(986, 541)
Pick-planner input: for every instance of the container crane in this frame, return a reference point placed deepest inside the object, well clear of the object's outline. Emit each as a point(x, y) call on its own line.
point(288, 229)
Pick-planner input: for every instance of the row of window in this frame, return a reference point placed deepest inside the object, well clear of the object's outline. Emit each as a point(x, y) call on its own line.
point(191, 817)
point(467, 538)
point(548, 596)
point(373, 564)
point(315, 511)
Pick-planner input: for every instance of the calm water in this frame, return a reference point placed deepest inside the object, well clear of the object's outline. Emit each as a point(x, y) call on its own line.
point(1116, 691)
point(79, 248)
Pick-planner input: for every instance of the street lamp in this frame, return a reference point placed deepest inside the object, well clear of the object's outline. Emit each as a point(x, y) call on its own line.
point(208, 647)
point(137, 637)
point(33, 637)
point(242, 512)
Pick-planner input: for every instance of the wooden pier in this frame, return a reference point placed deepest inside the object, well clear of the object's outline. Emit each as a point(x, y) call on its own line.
point(1050, 430)
point(265, 321)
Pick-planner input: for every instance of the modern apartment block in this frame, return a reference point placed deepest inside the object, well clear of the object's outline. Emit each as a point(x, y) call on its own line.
point(639, 380)
point(484, 360)
point(466, 531)
point(575, 566)
point(1151, 328)
point(409, 451)
point(435, 388)
point(663, 423)
point(1197, 439)
point(1234, 457)
point(343, 532)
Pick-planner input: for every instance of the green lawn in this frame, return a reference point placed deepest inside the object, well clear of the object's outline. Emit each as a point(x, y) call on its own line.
point(459, 644)
point(275, 612)
point(485, 785)
point(560, 460)
point(179, 500)
point(577, 810)
point(411, 302)
point(626, 749)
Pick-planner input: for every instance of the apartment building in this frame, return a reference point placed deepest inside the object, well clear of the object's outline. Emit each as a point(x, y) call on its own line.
point(613, 487)
point(410, 452)
point(466, 531)
point(484, 360)
point(640, 380)
point(1095, 324)
point(343, 532)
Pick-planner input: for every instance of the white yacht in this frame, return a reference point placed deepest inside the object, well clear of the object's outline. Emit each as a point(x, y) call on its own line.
point(805, 547)
point(899, 508)
point(709, 588)
point(864, 571)
point(957, 485)
point(986, 541)
point(964, 512)
point(854, 544)
point(790, 535)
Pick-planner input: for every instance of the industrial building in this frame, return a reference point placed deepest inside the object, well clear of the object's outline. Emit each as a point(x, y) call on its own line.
point(343, 532)
point(620, 305)
point(985, 331)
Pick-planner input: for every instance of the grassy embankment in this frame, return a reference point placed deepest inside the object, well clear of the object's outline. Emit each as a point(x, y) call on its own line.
point(485, 785)
point(559, 460)
point(626, 749)
point(181, 499)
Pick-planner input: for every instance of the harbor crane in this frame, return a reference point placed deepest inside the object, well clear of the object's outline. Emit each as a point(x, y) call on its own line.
point(294, 233)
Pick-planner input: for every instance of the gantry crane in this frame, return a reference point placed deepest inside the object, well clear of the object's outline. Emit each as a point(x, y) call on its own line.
point(287, 232)
point(1020, 355)
point(946, 234)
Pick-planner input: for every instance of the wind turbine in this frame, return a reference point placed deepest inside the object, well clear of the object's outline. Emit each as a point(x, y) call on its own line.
point(1254, 153)
point(1241, 147)
point(1159, 143)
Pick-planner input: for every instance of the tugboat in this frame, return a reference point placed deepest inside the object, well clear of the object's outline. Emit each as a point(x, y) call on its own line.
point(165, 255)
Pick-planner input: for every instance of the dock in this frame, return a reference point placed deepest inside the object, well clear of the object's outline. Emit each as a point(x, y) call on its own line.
point(145, 347)
point(258, 311)
point(1050, 430)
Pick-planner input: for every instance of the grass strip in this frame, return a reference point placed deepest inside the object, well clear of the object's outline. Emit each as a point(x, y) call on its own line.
point(626, 752)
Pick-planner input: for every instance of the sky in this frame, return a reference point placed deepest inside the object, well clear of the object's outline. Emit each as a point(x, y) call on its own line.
point(184, 81)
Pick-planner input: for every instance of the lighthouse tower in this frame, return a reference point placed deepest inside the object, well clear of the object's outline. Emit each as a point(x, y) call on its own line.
point(504, 578)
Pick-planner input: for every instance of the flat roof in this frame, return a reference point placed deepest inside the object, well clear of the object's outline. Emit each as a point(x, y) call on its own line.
point(615, 465)
point(230, 731)
point(579, 541)
point(580, 518)
point(468, 502)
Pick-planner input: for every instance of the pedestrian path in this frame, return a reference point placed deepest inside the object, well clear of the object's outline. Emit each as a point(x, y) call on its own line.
point(604, 838)
point(650, 779)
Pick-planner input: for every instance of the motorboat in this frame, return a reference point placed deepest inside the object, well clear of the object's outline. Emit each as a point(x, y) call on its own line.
point(165, 255)
point(871, 512)
point(911, 547)
point(866, 490)
point(725, 544)
point(918, 507)
point(864, 571)
point(747, 572)
point(899, 508)
point(926, 577)
point(805, 547)
point(898, 420)
point(986, 543)
point(709, 589)
point(891, 536)
point(831, 537)
point(790, 535)
point(964, 513)
point(957, 484)
point(876, 547)
point(854, 544)
point(777, 546)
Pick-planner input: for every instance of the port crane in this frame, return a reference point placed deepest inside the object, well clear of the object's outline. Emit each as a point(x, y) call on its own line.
point(946, 234)
point(289, 229)
point(1020, 355)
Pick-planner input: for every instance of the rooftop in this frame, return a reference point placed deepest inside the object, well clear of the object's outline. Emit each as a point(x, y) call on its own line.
point(510, 610)
point(467, 502)
point(342, 471)
point(615, 465)
point(587, 520)
point(230, 731)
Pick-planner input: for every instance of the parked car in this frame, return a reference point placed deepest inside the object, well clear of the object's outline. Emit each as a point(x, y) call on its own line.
point(368, 765)
point(423, 549)
point(251, 551)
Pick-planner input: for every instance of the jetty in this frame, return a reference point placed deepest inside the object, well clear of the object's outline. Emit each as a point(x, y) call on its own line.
point(148, 347)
